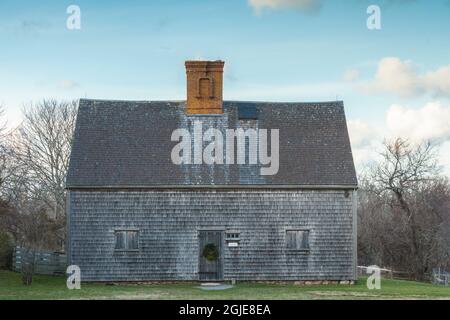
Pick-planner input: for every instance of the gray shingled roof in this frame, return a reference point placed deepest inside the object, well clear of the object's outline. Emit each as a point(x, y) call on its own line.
point(127, 144)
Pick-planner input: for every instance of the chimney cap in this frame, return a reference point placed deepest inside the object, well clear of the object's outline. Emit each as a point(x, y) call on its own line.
point(204, 63)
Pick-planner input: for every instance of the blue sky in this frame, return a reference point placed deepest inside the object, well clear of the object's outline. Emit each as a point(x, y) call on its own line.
point(274, 50)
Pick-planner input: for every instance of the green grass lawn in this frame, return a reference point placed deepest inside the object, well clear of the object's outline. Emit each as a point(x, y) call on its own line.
point(47, 287)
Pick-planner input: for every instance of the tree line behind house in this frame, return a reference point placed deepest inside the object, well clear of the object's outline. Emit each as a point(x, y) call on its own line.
point(403, 210)
point(34, 158)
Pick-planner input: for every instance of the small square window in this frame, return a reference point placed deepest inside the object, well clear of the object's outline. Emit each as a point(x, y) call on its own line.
point(247, 112)
point(126, 240)
point(297, 239)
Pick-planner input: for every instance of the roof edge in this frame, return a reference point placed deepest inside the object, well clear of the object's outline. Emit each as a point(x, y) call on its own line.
point(210, 186)
point(334, 102)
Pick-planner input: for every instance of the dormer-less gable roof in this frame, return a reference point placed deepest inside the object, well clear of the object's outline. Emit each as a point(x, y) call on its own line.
point(128, 144)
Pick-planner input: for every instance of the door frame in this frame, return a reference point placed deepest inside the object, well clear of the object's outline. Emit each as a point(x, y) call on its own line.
point(220, 231)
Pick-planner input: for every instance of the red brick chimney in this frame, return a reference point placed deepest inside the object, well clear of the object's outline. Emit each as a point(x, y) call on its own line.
point(204, 87)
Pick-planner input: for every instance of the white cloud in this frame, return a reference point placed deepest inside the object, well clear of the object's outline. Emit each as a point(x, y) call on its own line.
point(311, 6)
point(444, 156)
point(438, 81)
point(430, 122)
point(395, 76)
point(361, 132)
point(366, 155)
point(351, 75)
point(68, 84)
point(304, 5)
point(365, 140)
point(400, 77)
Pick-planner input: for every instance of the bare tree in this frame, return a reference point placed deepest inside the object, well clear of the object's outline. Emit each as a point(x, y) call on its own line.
point(404, 206)
point(33, 162)
point(42, 147)
point(5, 244)
point(39, 155)
point(4, 151)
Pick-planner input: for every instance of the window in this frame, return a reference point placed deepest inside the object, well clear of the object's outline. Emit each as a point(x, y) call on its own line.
point(232, 239)
point(126, 239)
point(232, 236)
point(247, 112)
point(297, 239)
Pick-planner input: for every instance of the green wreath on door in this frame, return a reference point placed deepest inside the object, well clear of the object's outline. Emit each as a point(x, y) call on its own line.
point(210, 252)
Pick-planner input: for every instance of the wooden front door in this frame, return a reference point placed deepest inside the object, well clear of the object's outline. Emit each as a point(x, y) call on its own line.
point(210, 256)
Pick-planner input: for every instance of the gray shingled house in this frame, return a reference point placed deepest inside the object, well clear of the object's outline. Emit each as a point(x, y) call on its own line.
point(135, 215)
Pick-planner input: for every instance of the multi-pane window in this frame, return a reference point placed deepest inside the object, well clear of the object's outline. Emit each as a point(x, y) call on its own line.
point(232, 236)
point(126, 239)
point(297, 239)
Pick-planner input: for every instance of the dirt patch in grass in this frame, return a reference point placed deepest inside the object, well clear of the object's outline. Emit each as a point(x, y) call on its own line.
point(350, 294)
point(131, 296)
point(139, 296)
point(367, 295)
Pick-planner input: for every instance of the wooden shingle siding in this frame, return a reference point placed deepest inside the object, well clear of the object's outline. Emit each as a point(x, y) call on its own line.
point(169, 222)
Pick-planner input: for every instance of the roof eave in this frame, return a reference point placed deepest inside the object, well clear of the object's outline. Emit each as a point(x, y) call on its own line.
point(211, 186)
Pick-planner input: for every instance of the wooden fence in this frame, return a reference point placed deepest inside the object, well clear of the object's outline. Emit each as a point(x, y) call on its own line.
point(385, 273)
point(49, 263)
point(441, 277)
point(399, 275)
